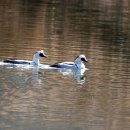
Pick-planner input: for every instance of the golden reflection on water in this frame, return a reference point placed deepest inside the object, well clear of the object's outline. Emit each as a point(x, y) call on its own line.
point(51, 99)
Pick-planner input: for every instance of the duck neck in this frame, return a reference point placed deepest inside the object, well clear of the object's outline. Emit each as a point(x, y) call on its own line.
point(36, 59)
point(78, 63)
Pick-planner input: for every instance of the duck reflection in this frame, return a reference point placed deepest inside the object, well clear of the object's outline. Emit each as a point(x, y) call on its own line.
point(77, 74)
point(38, 73)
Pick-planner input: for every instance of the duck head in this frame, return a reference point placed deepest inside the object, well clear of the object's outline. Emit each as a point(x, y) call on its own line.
point(79, 61)
point(37, 55)
point(81, 58)
point(41, 53)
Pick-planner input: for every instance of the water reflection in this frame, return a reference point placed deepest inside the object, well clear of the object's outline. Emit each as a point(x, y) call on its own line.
point(60, 24)
point(36, 98)
point(77, 74)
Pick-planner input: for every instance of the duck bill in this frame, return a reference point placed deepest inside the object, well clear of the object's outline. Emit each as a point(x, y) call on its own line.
point(43, 55)
point(86, 60)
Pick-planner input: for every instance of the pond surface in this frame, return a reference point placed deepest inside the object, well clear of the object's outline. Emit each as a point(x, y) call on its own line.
point(45, 99)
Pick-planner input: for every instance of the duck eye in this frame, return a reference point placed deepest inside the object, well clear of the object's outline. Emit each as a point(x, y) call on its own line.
point(82, 59)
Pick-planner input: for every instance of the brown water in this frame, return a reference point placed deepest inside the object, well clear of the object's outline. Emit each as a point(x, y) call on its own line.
point(53, 100)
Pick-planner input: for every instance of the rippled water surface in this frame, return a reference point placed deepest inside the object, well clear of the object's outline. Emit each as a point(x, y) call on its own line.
point(33, 98)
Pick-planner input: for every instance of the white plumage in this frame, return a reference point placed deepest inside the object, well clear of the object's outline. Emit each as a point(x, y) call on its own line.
point(35, 60)
point(77, 64)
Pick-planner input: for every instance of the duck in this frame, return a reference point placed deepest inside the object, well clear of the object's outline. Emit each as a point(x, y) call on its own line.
point(77, 64)
point(35, 60)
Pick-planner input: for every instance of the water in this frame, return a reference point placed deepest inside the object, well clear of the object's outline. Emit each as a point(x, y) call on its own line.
point(44, 99)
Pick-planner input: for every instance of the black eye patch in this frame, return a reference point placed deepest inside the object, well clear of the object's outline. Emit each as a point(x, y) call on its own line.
point(83, 59)
point(41, 55)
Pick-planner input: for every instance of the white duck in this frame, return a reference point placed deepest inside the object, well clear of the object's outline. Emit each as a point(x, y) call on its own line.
point(35, 60)
point(77, 64)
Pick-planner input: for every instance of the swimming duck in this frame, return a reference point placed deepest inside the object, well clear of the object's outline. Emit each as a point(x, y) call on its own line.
point(77, 64)
point(35, 60)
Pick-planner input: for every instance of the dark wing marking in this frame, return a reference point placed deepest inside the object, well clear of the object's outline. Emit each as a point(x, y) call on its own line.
point(76, 58)
point(15, 62)
point(56, 65)
point(62, 64)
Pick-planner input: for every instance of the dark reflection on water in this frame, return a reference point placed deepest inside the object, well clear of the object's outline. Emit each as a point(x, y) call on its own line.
point(47, 99)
